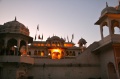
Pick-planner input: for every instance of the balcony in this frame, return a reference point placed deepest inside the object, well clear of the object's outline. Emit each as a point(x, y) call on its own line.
point(115, 38)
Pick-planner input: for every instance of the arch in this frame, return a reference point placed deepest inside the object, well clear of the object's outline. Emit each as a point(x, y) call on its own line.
point(116, 30)
point(22, 43)
point(115, 27)
point(111, 71)
point(39, 52)
point(73, 53)
point(70, 53)
point(11, 42)
point(23, 48)
point(1, 43)
point(42, 53)
point(11, 47)
point(2, 46)
point(104, 24)
point(67, 53)
point(105, 31)
point(35, 52)
point(115, 23)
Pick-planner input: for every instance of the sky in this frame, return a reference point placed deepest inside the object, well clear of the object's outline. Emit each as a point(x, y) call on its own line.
point(57, 17)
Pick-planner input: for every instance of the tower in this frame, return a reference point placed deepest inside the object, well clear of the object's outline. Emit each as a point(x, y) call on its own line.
point(109, 46)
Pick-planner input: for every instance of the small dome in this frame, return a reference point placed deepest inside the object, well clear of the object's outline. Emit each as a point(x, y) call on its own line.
point(108, 10)
point(82, 41)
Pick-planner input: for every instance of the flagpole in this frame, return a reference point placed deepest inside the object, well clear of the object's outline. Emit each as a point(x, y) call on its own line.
point(37, 30)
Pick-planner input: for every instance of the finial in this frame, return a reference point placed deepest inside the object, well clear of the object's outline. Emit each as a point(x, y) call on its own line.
point(106, 4)
point(119, 2)
point(15, 18)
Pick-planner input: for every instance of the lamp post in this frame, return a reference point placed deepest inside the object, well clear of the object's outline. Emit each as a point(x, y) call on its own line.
point(28, 49)
point(15, 53)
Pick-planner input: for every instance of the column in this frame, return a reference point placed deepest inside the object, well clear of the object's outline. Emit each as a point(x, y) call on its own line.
point(18, 46)
point(110, 27)
point(119, 24)
point(117, 72)
point(6, 40)
point(26, 47)
point(101, 31)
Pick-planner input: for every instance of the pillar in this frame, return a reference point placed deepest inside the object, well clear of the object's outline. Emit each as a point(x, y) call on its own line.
point(110, 27)
point(6, 40)
point(18, 46)
point(119, 24)
point(117, 72)
point(26, 47)
point(101, 31)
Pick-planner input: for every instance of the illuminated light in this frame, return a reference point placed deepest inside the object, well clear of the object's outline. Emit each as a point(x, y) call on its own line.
point(49, 54)
point(53, 54)
point(56, 50)
point(68, 45)
point(38, 44)
point(15, 46)
point(56, 53)
point(42, 44)
point(29, 44)
point(35, 44)
point(42, 54)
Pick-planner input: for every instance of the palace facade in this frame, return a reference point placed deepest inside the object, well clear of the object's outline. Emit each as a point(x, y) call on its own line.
point(23, 58)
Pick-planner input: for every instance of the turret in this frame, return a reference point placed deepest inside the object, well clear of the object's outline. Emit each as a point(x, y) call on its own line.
point(82, 44)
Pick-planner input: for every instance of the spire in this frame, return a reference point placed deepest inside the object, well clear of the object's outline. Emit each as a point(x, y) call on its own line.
point(106, 4)
point(15, 18)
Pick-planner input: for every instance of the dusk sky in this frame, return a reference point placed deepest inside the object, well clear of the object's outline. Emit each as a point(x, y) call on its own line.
point(59, 17)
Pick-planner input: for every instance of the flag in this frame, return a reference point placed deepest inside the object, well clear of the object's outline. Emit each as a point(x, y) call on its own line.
point(39, 37)
point(35, 37)
point(38, 27)
point(72, 36)
point(71, 40)
point(42, 37)
point(67, 38)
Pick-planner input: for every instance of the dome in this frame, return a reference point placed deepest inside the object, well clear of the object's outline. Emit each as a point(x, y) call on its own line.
point(54, 38)
point(118, 7)
point(82, 41)
point(108, 10)
point(15, 27)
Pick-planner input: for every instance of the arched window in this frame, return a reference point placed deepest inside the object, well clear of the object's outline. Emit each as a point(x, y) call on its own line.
point(42, 53)
point(116, 30)
point(111, 71)
point(73, 53)
point(35, 52)
point(67, 53)
point(39, 52)
point(70, 53)
point(115, 27)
